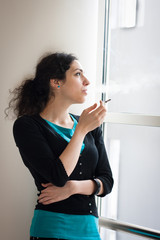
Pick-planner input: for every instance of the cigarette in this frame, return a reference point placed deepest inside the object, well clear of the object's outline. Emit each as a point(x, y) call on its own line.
point(107, 100)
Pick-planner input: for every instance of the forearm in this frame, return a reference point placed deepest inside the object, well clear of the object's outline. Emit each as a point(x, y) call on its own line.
point(85, 187)
point(52, 194)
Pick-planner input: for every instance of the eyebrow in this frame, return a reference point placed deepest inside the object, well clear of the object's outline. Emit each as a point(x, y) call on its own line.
point(78, 69)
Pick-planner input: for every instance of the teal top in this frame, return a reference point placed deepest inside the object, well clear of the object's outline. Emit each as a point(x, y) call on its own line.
point(47, 224)
point(66, 133)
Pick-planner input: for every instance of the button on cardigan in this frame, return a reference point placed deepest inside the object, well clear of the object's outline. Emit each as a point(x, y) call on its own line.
point(40, 147)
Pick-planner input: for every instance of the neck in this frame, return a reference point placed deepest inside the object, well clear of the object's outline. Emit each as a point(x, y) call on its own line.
point(57, 112)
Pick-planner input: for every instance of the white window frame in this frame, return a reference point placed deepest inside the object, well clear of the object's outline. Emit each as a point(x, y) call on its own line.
point(118, 117)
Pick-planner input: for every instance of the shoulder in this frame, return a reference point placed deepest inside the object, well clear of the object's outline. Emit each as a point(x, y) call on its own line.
point(25, 123)
point(27, 129)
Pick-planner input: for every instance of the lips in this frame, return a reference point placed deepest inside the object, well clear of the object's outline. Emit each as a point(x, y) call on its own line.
point(84, 91)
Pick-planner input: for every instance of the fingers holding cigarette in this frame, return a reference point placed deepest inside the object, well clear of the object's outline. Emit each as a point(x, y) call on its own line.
point(102, 103)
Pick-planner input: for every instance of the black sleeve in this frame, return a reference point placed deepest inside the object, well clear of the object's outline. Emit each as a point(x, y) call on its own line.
point(103, 170)
point(36, 152)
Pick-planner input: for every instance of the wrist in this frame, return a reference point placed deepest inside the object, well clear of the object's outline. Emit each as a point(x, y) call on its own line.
point(80, 130)
point(76, 187)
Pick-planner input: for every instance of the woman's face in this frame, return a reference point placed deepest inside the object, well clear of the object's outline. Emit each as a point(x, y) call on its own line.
point(74, 89)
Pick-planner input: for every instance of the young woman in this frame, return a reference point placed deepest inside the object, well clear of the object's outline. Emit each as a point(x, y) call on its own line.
point(65, 153)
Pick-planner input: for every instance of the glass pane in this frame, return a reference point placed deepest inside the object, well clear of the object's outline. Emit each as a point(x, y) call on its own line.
point(134, 154)
point(134, 59)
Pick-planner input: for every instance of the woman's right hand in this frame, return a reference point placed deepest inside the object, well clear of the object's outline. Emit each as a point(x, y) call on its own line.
point(92, 118)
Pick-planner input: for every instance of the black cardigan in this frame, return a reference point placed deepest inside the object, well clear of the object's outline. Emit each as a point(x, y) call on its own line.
point(40, 147)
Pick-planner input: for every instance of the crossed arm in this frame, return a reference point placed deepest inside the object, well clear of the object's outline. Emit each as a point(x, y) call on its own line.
point(52, 193)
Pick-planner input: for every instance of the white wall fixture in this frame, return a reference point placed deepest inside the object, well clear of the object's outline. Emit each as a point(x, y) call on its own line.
point(127, 13)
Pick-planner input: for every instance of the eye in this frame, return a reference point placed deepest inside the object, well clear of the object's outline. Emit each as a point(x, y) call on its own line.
point(78, 74)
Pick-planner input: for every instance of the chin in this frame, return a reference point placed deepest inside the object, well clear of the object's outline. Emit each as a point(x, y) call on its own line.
point(83, 100)
point(80, 101)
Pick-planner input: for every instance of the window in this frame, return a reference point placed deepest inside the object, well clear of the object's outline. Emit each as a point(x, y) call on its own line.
point(131, 78)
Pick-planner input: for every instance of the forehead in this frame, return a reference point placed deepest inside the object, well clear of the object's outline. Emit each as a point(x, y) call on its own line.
point(75, 65)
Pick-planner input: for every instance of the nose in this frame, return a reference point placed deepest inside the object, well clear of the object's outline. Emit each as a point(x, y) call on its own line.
point(86, 82)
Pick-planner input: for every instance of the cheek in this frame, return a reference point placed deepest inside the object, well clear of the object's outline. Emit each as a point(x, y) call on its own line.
point(74, 86)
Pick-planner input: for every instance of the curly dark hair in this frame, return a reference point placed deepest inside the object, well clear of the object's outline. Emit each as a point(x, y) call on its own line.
point(32, 95)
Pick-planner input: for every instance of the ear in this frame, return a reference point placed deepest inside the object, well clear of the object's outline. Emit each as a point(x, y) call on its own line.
point(54, 83)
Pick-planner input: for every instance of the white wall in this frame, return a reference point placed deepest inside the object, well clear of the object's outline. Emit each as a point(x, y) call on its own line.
point(28, 29)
